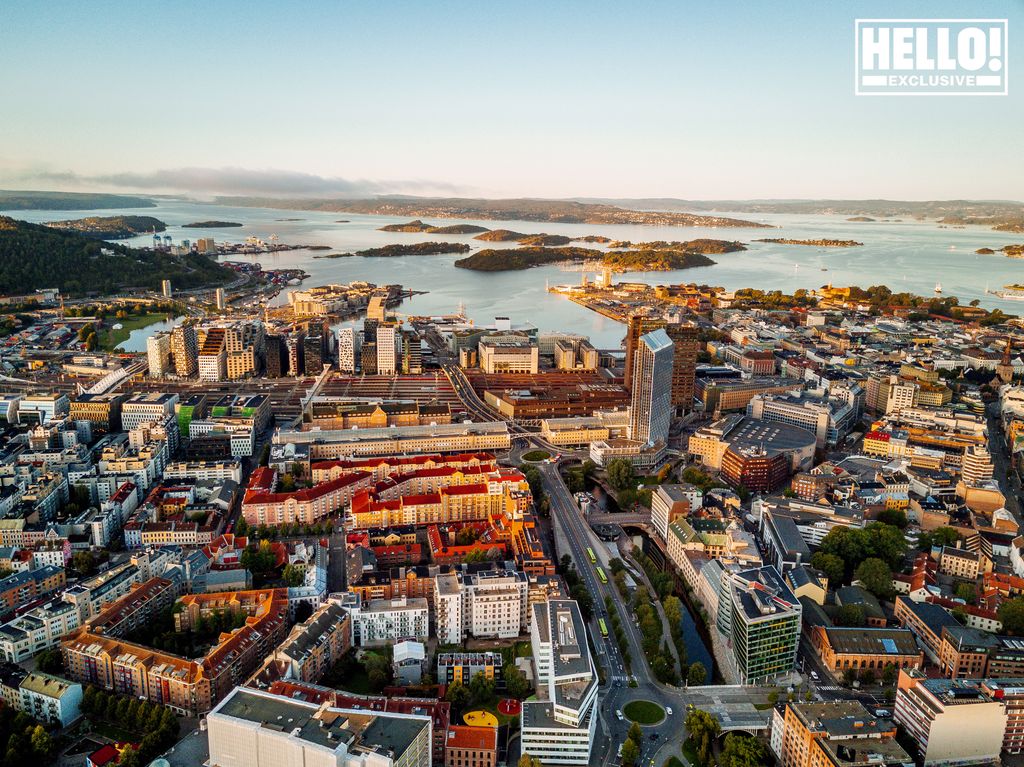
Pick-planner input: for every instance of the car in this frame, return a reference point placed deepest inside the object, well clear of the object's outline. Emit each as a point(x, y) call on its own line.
point(814, 676)
point(883, 713)
point(618, 714)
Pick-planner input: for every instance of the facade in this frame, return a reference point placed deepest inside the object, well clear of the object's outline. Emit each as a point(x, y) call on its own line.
point(158, 354)
point(840, 733)
point(862, 649)
point(650, 410)
point(471, 746)
point(348, 349)
point(387, 345)
point(487, 604)
point(759, 615)
point(49, 698)
point(313, 647)
point(245, 730)
point(383, 621)
point(463, 666)
point(670, 502)
point(508, 354)
point(560, 722)
point(185, 350)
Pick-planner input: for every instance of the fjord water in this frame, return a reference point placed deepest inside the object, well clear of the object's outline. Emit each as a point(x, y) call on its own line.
point(909, 256)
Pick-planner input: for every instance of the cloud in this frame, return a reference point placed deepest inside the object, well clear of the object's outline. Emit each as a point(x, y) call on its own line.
point(236, 181)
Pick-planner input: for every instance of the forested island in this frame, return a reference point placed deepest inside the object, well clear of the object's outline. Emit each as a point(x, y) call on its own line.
point(33, 256)
point(408, 249)
point(701, 245)
point(110, 227)
point(530, 240)
point(816, 243)
point(501, 235)
point(508, 259)
point(211, 224)
point(457, 229)
point(19, 200)
point(860, 219)
point(412, 226)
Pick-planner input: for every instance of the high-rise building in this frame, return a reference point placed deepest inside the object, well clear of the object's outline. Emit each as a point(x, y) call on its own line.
point(315, 347)
point(686, 346)
point(637, 326)
point(213, 356)
point(977, 465)
point(387, 343)
point(368, 358)
point(185, 350)
point(295, 347)
point(348, 349)
point(559, 723)
point(760, 618)
point(412, 354)
point(158, 352)
point(165, 288)
point(276, 363)
point(650, 412)
point(220, 299)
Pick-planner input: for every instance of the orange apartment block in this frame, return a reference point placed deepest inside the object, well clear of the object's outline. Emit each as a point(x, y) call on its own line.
point(470, 746)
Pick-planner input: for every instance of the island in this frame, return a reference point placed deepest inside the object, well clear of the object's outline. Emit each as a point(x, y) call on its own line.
point(1013, 251)
point(984, 251)
point(457, 229)
point(814, 243)
point(412, 226)
point(520, 209)
point(342, 221)
point(318, 247)
point(405, 249)
point(33, 256)
point(861, 218)
point(211, 224)
point(701, 245)
point(545, 240)
point(110, 227)
point(598, 238)
point(647, 260)
point(501, 235)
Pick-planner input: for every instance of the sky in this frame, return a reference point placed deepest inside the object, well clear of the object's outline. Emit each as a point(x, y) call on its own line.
point(694, 100)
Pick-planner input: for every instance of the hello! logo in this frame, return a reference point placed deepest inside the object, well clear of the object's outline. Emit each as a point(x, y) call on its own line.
point(931, 57)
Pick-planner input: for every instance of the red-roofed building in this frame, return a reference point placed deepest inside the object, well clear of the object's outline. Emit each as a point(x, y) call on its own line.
point(470, 746)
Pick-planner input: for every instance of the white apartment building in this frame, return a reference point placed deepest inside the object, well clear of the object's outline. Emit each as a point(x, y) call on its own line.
point(379, 621)
point(387, 343)
point(559, 724)
point(204, 470)
point(348, 350)
point(489, 604)
point(39, 629)
point(49, 698)
point(669, 502)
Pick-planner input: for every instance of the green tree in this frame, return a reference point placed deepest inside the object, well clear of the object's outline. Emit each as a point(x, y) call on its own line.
point(894, 517)
point(1011, 613)
point(697, 674)
point(851, 616)
point(530, 761)
point(703, 729)
point(50, 661)
point(966, 592)
point(876, 576)
point(458, 695)
point(742, 751)
point(84, 562)
point(42, 743)
point(294, 575)
point(831, 565)
point(620, 474)
point(630, 753)
point(940, 536)
point(481, 689)
point(130, 757)
point(516, 683)
point(635, 734)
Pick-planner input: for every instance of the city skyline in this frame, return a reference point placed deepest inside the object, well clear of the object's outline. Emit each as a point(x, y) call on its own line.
point(729, 102)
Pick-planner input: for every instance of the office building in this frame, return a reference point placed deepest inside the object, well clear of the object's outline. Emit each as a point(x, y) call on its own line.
point(840, 733)
point(368, 358)
point(760, 617)
point(412, 353)
point(220, 299)
point(152, 407)
point(316, 353)
point(296, 349)
point(670, 502)
point(508, 354)
point(650, 412)
point(387, 344)
point(560, 722)
point(376, 309)
point(276, 362)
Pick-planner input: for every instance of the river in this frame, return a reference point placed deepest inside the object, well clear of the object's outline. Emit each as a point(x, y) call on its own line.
point(907, 256)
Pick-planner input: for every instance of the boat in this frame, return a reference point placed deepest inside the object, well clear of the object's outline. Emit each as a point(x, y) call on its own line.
point(1010, 292)
point(938, 287)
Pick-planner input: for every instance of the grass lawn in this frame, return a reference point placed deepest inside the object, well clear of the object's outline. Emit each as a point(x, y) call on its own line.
point(690, 751)
point(536, 455)
point(108, 339)
point(113, 732)
point(643, 712)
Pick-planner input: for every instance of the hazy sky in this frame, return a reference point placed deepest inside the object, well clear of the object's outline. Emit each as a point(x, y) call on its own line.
point(626, 99)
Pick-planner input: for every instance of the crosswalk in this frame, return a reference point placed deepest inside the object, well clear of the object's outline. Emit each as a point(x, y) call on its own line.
point(827, 687)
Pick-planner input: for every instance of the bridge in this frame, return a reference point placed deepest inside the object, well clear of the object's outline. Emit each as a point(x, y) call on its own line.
point(622, 518)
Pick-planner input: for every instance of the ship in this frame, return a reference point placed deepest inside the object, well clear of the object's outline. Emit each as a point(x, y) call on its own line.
point(1010, 292)
point(938, 287)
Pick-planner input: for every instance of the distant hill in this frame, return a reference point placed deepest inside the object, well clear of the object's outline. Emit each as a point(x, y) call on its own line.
point(524, 209)
point(33, 256)
point(110, 227)
point(18, 200)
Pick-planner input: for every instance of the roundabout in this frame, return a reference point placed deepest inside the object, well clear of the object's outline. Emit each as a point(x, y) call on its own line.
point(644, 712)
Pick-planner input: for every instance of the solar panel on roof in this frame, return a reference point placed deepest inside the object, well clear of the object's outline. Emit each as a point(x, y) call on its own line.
point(890, 646)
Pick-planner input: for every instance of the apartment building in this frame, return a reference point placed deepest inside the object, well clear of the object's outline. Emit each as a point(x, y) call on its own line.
point(462, 667)
point(48, 698)
point(487, 604)
point(840, 733)
point(313, 647)
point(380, 621)
point(670, 502)
point(471, 746)
point(409, 440)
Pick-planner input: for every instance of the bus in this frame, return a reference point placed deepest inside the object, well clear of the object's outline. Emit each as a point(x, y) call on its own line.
point(593, 557)
point(601, 575)
point(603, 626)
